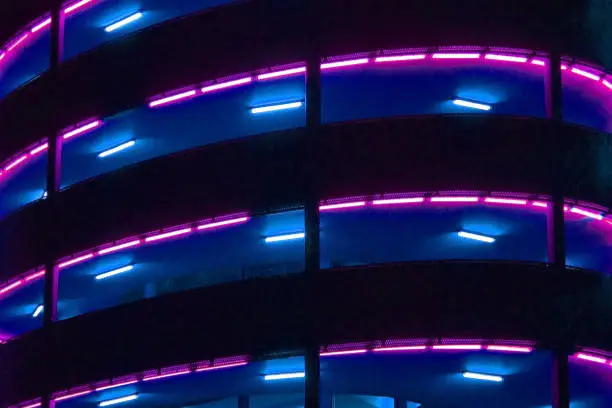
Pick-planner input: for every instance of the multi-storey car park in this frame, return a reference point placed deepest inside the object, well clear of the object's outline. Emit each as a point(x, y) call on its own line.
point(283, 204)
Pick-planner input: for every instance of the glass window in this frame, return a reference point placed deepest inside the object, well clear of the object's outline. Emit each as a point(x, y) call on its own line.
point(587, 239)
point(24, 180)
point(21, 305)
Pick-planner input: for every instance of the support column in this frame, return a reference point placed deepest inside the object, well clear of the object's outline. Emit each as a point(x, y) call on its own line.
point(556, 223)
point(243, 401)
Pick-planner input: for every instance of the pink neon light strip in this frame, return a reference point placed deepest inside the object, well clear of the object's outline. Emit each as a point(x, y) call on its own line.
point(563, 67)
point(392, 201)
point(108, 387)
point(511, 201)
point(586, 213)
point(228, 84)
point(454, 199)
point(11, 286)
point(76, 6)
point(607, 84)
point(119, 247)
point(157, 377)
point(2, 55)
point(221, 366)
point(82, 129)
point(457, 347)
point(41, 25)
point(75, 260)
point(283, 73)
point(342, 205)
point(401, 348)
point(34, 276)
point(539, 204)
point(510, 349)
point(32, 405)
point(329, 65)
point(397, 58)
point(343, 353)
point(538, 62)
point(16, 163)
point(171, 234)
point(459, 55)
point(591, 358)
point(68, 396)
point(39, 149)
point(509, 58)
point(222, 223)
point(19, 41)
point(173, 98)
point(585, 74)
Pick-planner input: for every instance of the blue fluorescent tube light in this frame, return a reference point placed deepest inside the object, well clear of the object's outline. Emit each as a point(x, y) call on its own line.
point(119, 400)
point(476, 237)
point(122, 22)
point(284, 376)
point(114, 272)
point(285, 237)
point(38, 311)
point(483, 377)
point(273, 108)
point(116, 149)
point(473, 105)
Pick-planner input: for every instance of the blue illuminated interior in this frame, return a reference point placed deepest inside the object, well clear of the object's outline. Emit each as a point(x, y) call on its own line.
point(373, 381)
point(26, 64)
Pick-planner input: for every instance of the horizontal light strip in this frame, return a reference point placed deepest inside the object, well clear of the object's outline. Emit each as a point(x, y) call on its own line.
point(459, 55)
point(476, 237)
point(11, 286)
point(41, 25)
point(37, 404)
point(398, 58)
point(538, 62)
point(510, 349)
point(118, 400)
point(399, 348)
point(123, 22)
point(35, 275)
point(473, 105)
point(119, 247)
point(484, 377)
point(16, 162)
point(591, 358)
point(457, 347)
point(121, 384)
point(160, 376)
point(511, 201)
point(343, 353)
point(284, 376)
point(19, 41)
point(74, 395)
point(75, 260)
point(452, 199)
point(540, 204)
point(39, 149)
point(509, 58)
point(283, 73)
point(348, 63)
point(585, 74)
point(76, 6)
point(222, 223)
point(218, 367)
point(393, 201)
point(607, 84)
point(228, 84)
point(285, 237)
point(114, 272)
point(173, 98)
point(82, 129)
point(586, 213)
point(171, 234)
point(274, 108)
point(116, 149)
point(342, 205)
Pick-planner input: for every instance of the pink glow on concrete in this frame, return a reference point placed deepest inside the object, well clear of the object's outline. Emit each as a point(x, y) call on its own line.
point(73, 395)
point(539, 204)
point(399, 348)
point(121, 384)
point(76, 260)
point(10, 287)
point(398, 58)
point(41, 25)
point(171, 234)
point(607, 84)
point(538, 62)
point(218, 367)
point(340, 206)
point(342, 353)
point(586, 213)
point(76, 6)
point(228, 84)
point(508, 58)
point(511, 201)
point(169, 99)
point(39, 149)
point(590, 357)
point(585, 74)
point(457, 199)
point(396, 201)
point(16, 162)
point(348, 63)
point(457, 347)
point(455, 55)
point(19, 41)
point(82, 129)
point(280, 74)
point(34, 276)
point(160, 376)
point(510, 349)
point(119, 247)
point(222, 223)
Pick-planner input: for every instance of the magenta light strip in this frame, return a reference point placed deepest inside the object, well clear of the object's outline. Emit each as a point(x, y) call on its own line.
point(342, 205)
point(586, 213)
point(509, 58)
point(74, 395)
point(242, 363)
point(169, 99)
point(76, 260)
point(563, 67)
point(160, 376)
point(11, 286)
point(82, 129)
point(32, 405)
point(457, 347)
point(34, 276)
point(607, 84)
point(171, 234)
point(41, 25)
point(16, 163)
point(348, 63)
point(229, 84)
point(538, 62)
point(280, 74)
point(394, 201)
point(119, 247)
point(397, 58)
point(108, 387)
point(511, 201)
point(585, 74)
point(458, 55)
point(454, 199)
point(343, 353)
point(19, 41)
point(76, 6)
point(400, 348)
point(222, 223)
point(539, 204)
point(591, 358)
point(510, 349)
point(39, 149)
